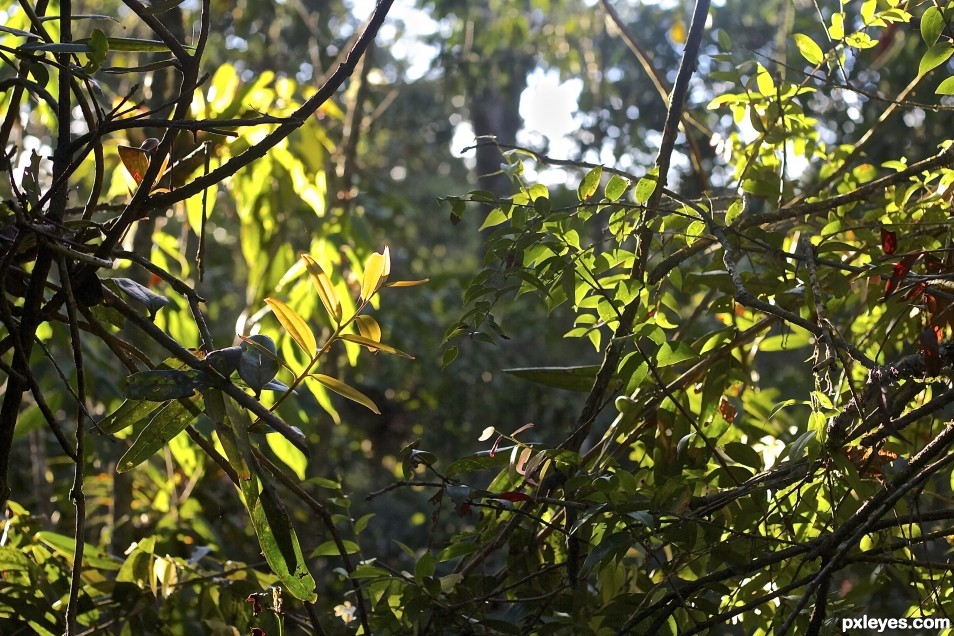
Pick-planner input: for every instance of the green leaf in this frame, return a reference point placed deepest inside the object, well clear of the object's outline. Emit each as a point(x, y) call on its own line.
point(295, 325)
point(674, 353)
point(646, 186)
point(129, 413)
point(168, 422)
point(569, 378)
point(764, 81)
point(616, 187)
point(345, 390)
point(590, 183)
point(812, 53)
point(946, 87)
point(494, 218)
point(164, 384)
point(934, 57)
point(100, 48)
point(837, 29)
point(449, 356)
point(932, 25)
point(330, 548)
point(280, 547)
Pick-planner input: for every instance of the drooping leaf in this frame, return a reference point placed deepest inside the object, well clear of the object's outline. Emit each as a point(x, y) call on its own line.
point(901, 269)
point(928, 343)
point(371, 344)
point(149, 299)
point(326, 291)
point(569, 378)
point(345, 390)
point(889, 241)
point(135, 160)
point(164, 384)
point(259, 364)
point(168, 422)
point(129, 413)
point(295, 325)
point(226, 361)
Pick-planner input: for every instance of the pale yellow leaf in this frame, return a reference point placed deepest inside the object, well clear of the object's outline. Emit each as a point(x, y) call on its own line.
point(369, 328)
point(326, 291)
point(294, 324)
point(374, 274)
point(374, 346)
point(345, 390)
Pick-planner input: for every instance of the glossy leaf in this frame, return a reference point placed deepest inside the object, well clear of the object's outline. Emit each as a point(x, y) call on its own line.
point(345, 390)
point(375, 272)
point(934, 57)
point(368, 327)
point(326, 291)
point(590, 183)
point(144, 296)
point(809, 49)
point(374, 346)
point(295, 325)
point(168, 422)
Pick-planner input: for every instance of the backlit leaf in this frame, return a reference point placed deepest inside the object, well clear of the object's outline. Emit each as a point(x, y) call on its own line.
point(326, 291)
point(375, 271)
point(368, 327)
point(371, 344)
point(812, 53)
point(589, 184)
point(295, 325)
point(934, 57)
point(345, 390)
point(167, 423)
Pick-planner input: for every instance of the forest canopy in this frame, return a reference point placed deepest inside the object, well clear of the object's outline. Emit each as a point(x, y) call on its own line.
point(476, 317)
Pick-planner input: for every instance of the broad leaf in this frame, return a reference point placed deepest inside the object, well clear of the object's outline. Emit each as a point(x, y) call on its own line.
point(167, 423)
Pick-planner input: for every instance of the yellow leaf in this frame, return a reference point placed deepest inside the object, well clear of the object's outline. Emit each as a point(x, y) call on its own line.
point(326, 291)
point(371, 344)
point(294, 324)
point(369, 328)
point(347, 391)
point(375, 271)
point(135, 160)
point(678, 32)
point(408, 283)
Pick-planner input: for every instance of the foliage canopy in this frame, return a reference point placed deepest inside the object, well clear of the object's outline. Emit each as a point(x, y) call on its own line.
point(203, 332)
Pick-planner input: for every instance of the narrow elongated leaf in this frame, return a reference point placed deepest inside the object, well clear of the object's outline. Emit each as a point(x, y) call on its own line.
point(129, 413)
point(374, 275)
point(164, 384)
point(273, 527)
point(345, 390)
point(167, 423)
point(152, 301)
point(295, 325)
point(408, 283)
point(569, 378)
point(326, 291)
point(371, 344)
